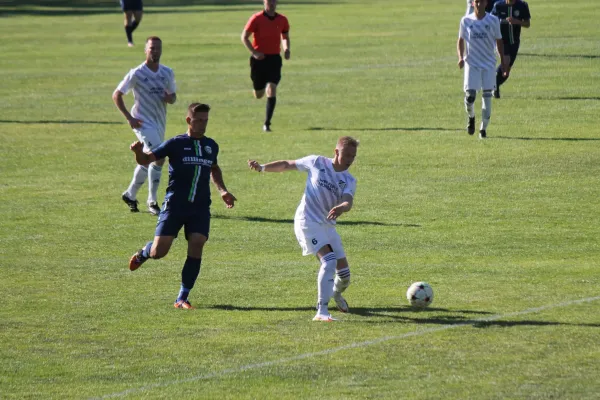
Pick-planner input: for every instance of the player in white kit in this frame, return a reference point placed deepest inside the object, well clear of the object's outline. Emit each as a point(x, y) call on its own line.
point(153, 87)
point(478, 39)
point(329, 192)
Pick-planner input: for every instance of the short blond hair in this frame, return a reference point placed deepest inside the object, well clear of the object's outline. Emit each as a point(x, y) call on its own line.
point(346, 141)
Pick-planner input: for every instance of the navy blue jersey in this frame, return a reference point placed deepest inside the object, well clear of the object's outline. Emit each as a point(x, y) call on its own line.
point(190, 162)
point(519, 10)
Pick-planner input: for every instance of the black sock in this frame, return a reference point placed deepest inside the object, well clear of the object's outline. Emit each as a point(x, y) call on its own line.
point(134, 25)
point(271, 101)
point(499, 78)
point(190, 272)
point(128, 31)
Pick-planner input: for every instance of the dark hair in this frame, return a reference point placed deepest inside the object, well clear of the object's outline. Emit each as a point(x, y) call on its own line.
point(153, 38)
point(197, 107)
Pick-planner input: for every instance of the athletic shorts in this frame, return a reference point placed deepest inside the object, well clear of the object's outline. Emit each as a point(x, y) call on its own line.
point(150, 135)
point(172, 218)
point(511, 50)
point(267, 70)
point(132, 5)
point(312, 236)
point(479, 79)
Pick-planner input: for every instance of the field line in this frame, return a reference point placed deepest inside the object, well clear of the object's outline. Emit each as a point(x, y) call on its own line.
point(229, 371)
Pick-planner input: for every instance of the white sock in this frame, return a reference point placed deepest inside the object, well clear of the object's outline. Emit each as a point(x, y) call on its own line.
point(342, 280)
point(325, 282)
point(154, 174)
point(486, 109)
point(139, 177)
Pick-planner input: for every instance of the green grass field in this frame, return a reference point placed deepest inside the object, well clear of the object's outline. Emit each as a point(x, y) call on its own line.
point(505, 230)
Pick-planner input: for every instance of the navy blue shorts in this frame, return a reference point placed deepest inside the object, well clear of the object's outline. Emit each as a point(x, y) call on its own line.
point(511, 50)
point(132, 5)
point(173, 218)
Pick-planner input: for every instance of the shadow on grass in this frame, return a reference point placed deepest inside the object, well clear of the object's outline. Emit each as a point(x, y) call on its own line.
point(46, 121)
point(542, 138)
point(78, 7)
point(568, 98)
point(408, 129)
point(395, 313)
point(589, 56)
point(291, 221)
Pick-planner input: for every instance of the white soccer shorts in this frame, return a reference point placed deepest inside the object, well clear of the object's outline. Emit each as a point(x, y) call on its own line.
point(479, 79)
point(312, 236)
point(150, 135)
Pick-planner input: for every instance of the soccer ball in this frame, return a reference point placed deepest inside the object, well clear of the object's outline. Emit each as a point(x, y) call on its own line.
point(420, 294)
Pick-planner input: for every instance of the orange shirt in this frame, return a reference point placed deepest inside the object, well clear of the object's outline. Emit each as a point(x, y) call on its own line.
point(267, 32)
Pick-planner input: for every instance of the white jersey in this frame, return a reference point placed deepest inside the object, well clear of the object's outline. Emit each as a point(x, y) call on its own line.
point(149, 88)
point(480, 40)
point(324, 189)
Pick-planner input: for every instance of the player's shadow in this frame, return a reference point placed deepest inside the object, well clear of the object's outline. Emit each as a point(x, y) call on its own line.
point(408, 129)
point(291, 221)
point(569, 98)
point(587, 56)
point(569, 139)
point(47, 121)
point(395, 314)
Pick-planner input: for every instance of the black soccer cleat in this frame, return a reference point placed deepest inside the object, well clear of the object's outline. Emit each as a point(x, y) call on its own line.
point(266, 128)
point(153, 208)
point(482, 134)
point(471, 126)
point(132, 204)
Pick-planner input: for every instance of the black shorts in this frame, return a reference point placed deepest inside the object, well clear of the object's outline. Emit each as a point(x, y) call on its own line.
point(192, 219)
point(266, 70)
point(132, 5)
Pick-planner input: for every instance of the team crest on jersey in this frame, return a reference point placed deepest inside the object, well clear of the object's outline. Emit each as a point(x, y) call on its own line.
point(207, 149)
point(516, 13)
point(342, 185)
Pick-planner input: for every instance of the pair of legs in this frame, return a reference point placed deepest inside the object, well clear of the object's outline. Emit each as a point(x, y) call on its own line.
point(131, 22)
point(484, 80)
point(197, 225)
point(266, 75)
point(151, 137)
point(332, 281)
point(510, 50)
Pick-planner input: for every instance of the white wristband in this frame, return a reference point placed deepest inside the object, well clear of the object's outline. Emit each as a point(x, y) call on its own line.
point(262, 168)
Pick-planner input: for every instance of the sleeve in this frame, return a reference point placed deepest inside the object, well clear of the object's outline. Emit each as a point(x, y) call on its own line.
point(286, 26)
point(497, 32)
point(127, 83)
point(251, 24)
point(526, 16)
point(304, 164)
point(494, 10)
point(350, 188)
point(171, 85)
point(163, 150)
point(461, 28)
point(216, 162)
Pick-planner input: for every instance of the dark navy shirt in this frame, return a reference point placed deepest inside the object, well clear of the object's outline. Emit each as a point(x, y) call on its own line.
point(519, 10)
point(190, 162)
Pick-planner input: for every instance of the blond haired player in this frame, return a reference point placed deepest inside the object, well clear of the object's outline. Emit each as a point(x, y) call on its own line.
point(329, 193)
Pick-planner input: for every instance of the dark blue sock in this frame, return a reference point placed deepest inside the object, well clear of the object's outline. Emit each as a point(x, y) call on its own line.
point(271, 101)
point(146, 250)
point(134, 25)
point(189, 274)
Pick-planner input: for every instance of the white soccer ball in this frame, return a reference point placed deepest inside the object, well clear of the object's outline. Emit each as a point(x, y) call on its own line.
point(420, 294)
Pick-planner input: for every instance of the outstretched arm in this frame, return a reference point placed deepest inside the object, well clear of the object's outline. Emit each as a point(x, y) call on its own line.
point(275, 166)
point(344, 206)
point(217, 178)
point(141, 157)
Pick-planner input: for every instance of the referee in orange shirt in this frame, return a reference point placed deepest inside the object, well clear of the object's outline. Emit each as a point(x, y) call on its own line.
point(268, 30)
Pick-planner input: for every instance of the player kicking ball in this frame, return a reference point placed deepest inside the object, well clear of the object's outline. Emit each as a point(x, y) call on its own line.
point(329, 193)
